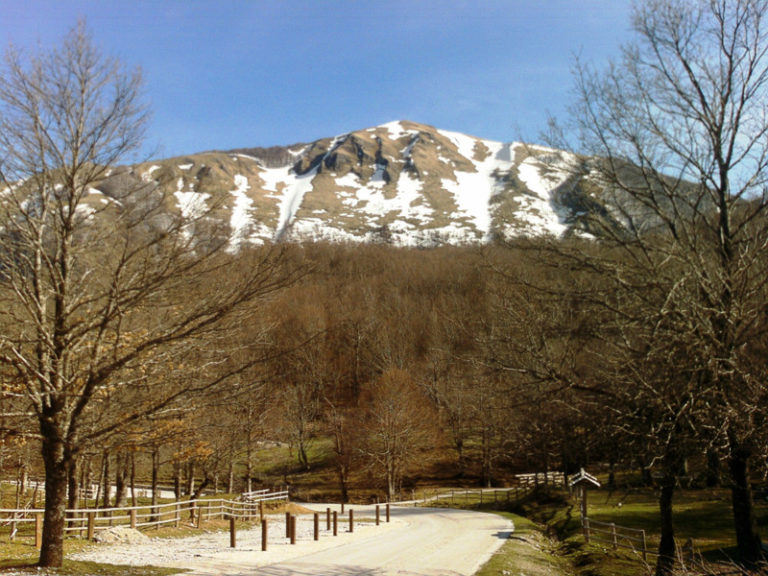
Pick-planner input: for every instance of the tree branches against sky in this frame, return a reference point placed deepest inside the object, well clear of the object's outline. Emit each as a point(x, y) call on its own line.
point(225, 74)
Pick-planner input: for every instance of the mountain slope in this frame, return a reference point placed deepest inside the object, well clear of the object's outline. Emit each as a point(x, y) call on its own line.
point(404, 183)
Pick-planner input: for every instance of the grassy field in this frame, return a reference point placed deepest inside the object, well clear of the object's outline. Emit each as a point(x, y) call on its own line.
point(528, 552)
point(704, 516)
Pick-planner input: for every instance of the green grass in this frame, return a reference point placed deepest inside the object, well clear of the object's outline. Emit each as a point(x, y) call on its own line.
point(703, 515)
point(528, 551)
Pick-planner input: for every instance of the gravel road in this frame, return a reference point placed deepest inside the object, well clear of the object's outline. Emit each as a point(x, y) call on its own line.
point(418, 541)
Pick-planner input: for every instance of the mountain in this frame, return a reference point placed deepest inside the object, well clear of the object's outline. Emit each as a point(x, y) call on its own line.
point(404, 183)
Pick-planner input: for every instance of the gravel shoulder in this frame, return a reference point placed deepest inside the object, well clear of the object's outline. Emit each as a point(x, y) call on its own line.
point(423, 541)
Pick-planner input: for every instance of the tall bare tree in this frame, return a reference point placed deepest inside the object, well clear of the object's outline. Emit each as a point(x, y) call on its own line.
point(106, 302)
point(680, 122)
point(399, 422)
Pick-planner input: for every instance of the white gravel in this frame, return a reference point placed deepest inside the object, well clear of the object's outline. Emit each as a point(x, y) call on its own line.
point(212, 549)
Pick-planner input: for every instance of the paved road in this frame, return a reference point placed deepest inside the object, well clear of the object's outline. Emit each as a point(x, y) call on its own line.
point(418, 541)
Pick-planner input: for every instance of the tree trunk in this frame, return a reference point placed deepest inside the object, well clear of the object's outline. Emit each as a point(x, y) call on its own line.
point(248, 468)
point(155, 474)
point(666, 561)
point(747, 535)
point(713, 468)
point(302, 453)
point(121, 461)
point(189, 487)
point(73, 489)
point(343, 475)
point(133, 479)
point(56, 478)
point(105, 477)
point(177, 480)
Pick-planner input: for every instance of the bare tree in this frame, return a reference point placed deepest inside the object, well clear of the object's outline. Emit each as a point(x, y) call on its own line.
point(107, 302)
point(681, 125)
point(398, 422)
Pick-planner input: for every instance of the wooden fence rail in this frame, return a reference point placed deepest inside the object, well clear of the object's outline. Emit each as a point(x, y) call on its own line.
point(616, 536)
point(686, 555)
point(87, 521)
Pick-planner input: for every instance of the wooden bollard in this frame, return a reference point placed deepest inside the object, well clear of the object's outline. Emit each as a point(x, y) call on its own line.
point(232, 532)
point(316, 518)
point(91, 524)
point(328, 519)
point(287, 524)
point(264, 535)
point(38, 531)
point(293, 529)
point(387, 511)
point(342, 507)
point(351, 520)
point(378, 514)
point(335, 523)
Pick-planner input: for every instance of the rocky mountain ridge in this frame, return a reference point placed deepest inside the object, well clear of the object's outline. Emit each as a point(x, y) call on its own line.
point(403, 183)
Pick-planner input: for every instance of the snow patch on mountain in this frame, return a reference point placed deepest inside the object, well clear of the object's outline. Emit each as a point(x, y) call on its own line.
point(537, 211)
point(292, 195)
point(473, 191)
point(240, 219)
point(193, 204)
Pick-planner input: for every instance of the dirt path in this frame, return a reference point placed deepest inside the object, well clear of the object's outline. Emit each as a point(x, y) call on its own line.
point(418, 541)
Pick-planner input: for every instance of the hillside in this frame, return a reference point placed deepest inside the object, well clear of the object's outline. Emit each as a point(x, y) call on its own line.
point(401, 183)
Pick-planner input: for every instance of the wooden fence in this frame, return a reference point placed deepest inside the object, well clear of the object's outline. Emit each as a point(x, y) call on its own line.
point(523, 485)
point(86, 522)
point(686, 555)
point(616, 536)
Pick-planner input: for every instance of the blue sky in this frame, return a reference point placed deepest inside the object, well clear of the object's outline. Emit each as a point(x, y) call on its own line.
point(224, 74)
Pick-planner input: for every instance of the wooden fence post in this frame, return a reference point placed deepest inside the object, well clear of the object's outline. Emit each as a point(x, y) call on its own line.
point(645, 547)
point(287, 524)
point(316, 525)
point(585, 525)
point(335, 523)
point(232, 532)
point(261, 510)
point(614, 538)
point(351, 520)
point(387, 511)
point(133, 518)
point(178, 515)
point(264, 535)
point(91, 524)
point(328, 519)
point(378, 514)
point(293, 529)
point(38, 531)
